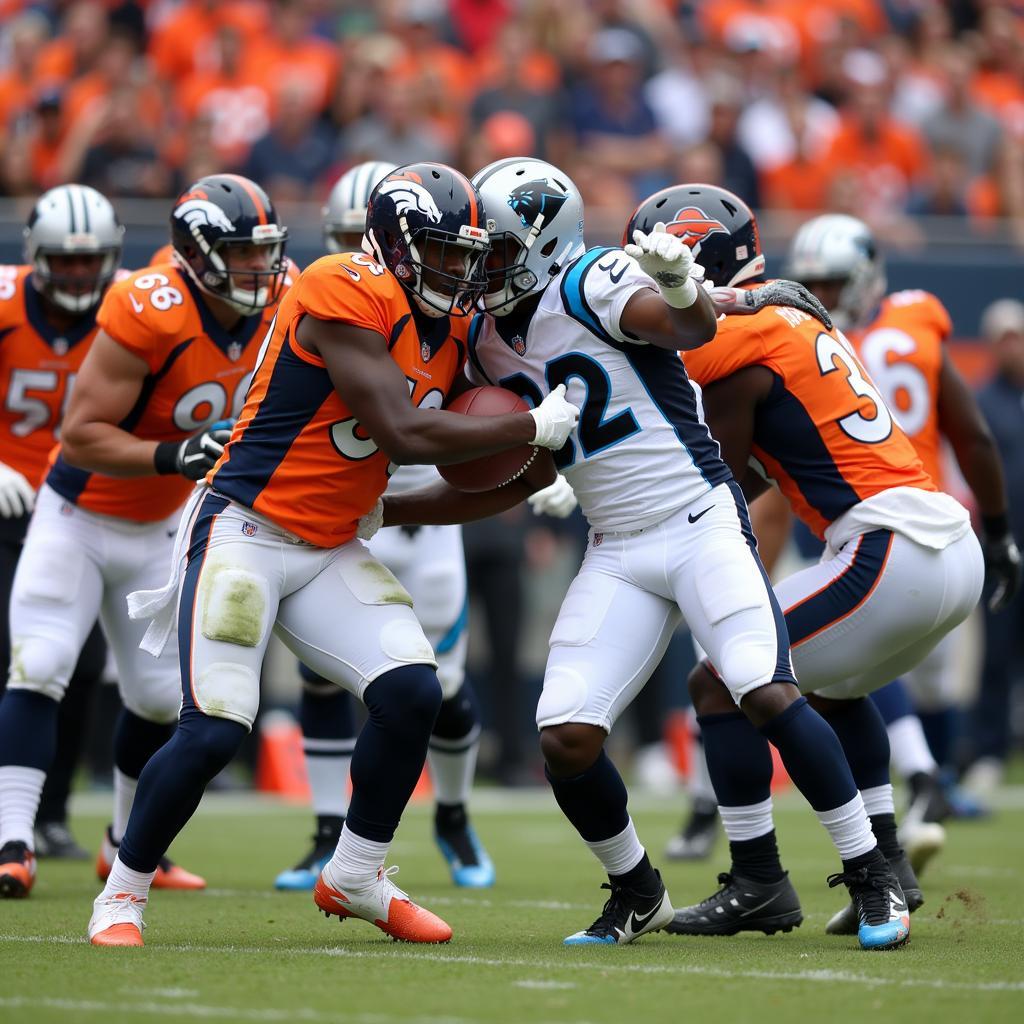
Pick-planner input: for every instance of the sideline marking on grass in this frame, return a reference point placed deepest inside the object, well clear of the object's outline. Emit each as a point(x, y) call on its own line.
point(826, 976)
point(544, 986)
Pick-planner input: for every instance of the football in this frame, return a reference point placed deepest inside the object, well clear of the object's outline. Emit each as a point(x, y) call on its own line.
point(492, 471)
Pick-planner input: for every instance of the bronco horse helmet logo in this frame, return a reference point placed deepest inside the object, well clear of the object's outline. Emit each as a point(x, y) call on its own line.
point(196, 210)
point(692, 225)
point(410, 197)
point(537, 199)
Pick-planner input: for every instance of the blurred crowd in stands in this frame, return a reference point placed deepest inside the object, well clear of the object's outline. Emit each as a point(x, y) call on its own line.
point(886, 108)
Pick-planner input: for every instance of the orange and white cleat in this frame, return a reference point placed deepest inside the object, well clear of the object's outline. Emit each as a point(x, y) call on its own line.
point(17, 870)
point(384, 905)
point(117, 920)
point(168, 874)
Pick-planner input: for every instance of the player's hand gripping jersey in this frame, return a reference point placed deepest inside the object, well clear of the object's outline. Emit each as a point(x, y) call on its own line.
point(297, 454)
point(902, 351)
point(641, 450)
point(37, 372)
point(198, 373)
point(824, 433)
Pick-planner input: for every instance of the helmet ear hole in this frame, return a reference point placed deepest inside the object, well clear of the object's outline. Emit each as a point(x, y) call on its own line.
point(549, 247)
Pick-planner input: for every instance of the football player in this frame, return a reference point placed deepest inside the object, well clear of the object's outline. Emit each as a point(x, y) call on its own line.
point(669, 535)
point(429, 562)
point(899, 338)
point(173, 357)
point(351, 379)
point(901, 568)
point(73, 243)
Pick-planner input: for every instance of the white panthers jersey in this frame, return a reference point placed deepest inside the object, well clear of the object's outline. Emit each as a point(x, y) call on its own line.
point(641, 449)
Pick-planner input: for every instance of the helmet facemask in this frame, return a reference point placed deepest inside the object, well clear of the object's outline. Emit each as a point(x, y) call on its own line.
point(64, 289)
point(247, 290)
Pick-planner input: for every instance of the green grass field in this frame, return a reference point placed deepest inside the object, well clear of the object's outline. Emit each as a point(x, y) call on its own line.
point(241, 952)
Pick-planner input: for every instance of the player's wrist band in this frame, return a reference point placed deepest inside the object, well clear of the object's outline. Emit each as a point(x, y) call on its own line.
point(681, 297)
point(165, 458)
point(995, 527)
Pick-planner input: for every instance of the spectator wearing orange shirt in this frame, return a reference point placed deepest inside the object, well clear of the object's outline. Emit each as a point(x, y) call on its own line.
point(31, 159)
point(76, 47)
point(884, 157)
point(24, 39)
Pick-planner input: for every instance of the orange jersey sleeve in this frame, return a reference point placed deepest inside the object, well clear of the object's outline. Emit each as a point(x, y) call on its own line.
point(902, 350)
point(197, 373)
point(38, 365)
point(297, 455)
point(824, 434)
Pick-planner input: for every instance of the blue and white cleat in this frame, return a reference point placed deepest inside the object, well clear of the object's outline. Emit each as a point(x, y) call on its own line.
point(467, 859)
point(883, 917)
point(303, 876)
point(626, 916)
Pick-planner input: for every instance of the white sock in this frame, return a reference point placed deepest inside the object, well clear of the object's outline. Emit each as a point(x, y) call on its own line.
point(452, 766)
point(20, 789)
point(748, 822)
point(356, 861)
point(908, 748)
point(327, 767)
point(700, 778)
point(849, 828)
point(124, 797)
point(878, 800)
point(621, 853)
point(124, 880)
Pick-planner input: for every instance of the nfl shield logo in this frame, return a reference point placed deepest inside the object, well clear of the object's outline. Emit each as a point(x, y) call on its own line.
point(249, 529)
point(234, 351)
point(519, 345)
point(424, 352)
point(60, 346)
point(598, 537)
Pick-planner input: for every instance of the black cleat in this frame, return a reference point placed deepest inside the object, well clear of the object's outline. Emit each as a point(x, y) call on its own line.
point(54, 839)
point(699, 834)
point(742, 905)
point(626, 916)
point(844, 922)
point(303, 876)
point(883, 917)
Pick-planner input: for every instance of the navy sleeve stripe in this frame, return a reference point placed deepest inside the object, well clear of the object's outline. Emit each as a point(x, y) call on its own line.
point(574, 297)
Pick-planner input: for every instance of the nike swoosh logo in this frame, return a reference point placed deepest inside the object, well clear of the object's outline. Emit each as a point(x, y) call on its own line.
point(693, 518)
point(637, 924)
point(747, 911)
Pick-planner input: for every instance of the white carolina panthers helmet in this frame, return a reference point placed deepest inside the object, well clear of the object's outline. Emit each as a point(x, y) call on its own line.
point(72, 220)
point(534, 215)
point(344, 213)
point(835, 247)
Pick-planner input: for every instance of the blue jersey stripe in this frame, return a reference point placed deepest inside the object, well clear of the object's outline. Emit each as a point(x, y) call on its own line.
point(451, 638)
point(574, 297)
point(786, 431)
point(663, 376)
point(296, 392)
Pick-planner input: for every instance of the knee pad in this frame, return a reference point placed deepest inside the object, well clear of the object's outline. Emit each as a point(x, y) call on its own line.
point(234, 606)
point(42, 665)
point(402, 639)
point(227, 689)
point(155, 696)
point(747, 661)
point(459, 715)
point(404, 695)
point(564, 696)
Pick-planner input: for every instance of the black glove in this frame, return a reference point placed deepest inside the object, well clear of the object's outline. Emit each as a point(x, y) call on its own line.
point(1002, 562)
point(194, 457)
point(774, 293)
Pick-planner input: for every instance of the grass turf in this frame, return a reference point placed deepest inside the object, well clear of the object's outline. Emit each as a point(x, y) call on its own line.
point(242, 952)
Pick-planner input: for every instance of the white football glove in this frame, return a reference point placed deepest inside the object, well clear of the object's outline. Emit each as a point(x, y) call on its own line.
point(670, 262)
point(16, 494)
point(370, 523)
point(555, 418)
point(556, 499)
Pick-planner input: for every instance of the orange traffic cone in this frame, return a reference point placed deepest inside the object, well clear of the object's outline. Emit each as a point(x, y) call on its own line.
point(280, 766)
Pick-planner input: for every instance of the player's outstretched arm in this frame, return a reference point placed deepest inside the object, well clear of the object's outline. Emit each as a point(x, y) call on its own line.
point(682, 316)
point(105, 392)
point(977, 455)
point(371, 384)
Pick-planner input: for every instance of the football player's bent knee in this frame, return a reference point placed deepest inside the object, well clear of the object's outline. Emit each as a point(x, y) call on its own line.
point(41, 664)
point(563, 698)
point(208, 743)
point(747, 661)
point(570, 749)
point(405, 699)
point(707, 693)
point(158, 703)
point(227, 689)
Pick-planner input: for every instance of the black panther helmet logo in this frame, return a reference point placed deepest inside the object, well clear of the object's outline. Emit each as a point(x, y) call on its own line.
point(536, 199)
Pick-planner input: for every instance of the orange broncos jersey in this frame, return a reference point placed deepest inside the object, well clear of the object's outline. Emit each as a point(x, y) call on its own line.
point(198, 373)
point(37, 371)
point(823, 434)
point(297, 454)
point(902, 350)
